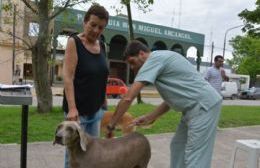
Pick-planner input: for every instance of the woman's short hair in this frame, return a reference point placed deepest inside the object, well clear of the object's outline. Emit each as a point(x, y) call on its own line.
point(133, 48)
point(98, 11)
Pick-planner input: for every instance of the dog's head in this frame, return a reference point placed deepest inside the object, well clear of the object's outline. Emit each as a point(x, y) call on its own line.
point(68, 133)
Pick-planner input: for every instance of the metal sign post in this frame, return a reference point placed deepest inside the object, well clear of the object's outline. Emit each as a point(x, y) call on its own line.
point(19, 95)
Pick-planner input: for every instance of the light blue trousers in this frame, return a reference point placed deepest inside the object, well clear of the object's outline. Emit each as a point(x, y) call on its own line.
point(193, 143)
point(91, 125)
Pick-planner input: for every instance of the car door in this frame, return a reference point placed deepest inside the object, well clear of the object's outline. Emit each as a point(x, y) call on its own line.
point(257, 93)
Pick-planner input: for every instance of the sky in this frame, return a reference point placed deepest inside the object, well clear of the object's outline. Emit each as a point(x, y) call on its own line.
point(209, 17)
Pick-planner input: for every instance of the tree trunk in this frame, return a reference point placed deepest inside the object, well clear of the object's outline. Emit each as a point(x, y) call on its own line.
point(131, 35)
point(41, 80)
point(40, 57)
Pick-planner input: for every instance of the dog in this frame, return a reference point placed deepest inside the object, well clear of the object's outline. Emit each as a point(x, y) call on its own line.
point(124, 124)
point(85, 151)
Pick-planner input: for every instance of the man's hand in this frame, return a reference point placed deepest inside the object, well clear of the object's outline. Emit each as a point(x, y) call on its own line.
point(223, 74)
point(142, 121)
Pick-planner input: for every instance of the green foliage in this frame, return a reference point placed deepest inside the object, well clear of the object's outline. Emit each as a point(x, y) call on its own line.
point(7, 7)
point(252, 20)
point(246, 55)
point(250, 66)
point(142, 5)
point(246, 46)
point(42, 12)
point(41, 127)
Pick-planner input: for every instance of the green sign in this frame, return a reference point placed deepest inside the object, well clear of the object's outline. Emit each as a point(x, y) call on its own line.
point(120, 23)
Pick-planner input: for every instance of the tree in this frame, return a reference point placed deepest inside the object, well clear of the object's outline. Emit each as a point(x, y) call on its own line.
point(246, 56)
point(42, 11)
point(250, 66)
point(143, 5)
point(251, 19)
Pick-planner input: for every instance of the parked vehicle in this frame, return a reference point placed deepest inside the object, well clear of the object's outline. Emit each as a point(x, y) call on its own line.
point(229, 90)
point(252, 93)
point(116, 88)
point(241, 80)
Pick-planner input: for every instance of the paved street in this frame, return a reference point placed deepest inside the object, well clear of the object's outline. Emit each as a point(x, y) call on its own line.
point(149, 95)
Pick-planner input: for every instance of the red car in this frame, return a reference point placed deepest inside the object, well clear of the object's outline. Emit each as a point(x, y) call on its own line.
point(115, 87)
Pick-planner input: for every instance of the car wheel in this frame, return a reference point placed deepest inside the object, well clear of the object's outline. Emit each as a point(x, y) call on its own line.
point(233, 97)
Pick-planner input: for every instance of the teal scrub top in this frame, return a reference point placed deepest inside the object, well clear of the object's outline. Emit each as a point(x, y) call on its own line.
point(177, 81)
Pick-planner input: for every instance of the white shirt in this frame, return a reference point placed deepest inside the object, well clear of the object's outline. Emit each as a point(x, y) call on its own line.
point(214, 77)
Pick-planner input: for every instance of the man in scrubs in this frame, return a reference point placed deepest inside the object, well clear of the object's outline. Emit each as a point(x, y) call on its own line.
point(183, 89)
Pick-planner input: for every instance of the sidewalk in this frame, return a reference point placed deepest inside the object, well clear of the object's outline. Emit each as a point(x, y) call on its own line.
point(45, 155)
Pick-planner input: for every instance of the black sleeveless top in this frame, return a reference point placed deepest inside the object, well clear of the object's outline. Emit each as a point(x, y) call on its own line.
point(90, 79)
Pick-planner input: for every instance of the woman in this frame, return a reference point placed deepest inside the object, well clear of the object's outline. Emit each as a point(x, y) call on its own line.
point(85, 73)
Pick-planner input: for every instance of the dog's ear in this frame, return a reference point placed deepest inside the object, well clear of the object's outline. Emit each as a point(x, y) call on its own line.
point(83, 138)
point(55, 139)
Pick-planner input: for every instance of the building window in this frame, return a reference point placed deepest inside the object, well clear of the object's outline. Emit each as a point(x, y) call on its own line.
point(27, 71)
point(33, 29)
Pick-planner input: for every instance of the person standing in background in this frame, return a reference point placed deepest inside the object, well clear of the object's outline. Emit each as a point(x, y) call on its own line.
point(216, 74)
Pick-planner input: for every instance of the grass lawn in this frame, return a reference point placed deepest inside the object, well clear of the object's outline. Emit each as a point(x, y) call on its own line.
point(41, 127)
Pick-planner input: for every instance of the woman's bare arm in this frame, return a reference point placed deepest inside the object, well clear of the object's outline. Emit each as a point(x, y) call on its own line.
point(69, 68)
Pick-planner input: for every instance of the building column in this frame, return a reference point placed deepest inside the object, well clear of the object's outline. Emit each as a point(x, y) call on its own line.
point(198, 60)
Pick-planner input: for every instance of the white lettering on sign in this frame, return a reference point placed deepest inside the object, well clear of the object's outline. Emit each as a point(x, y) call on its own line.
point(114, 23)
point(176, 34)
point(149, 29)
